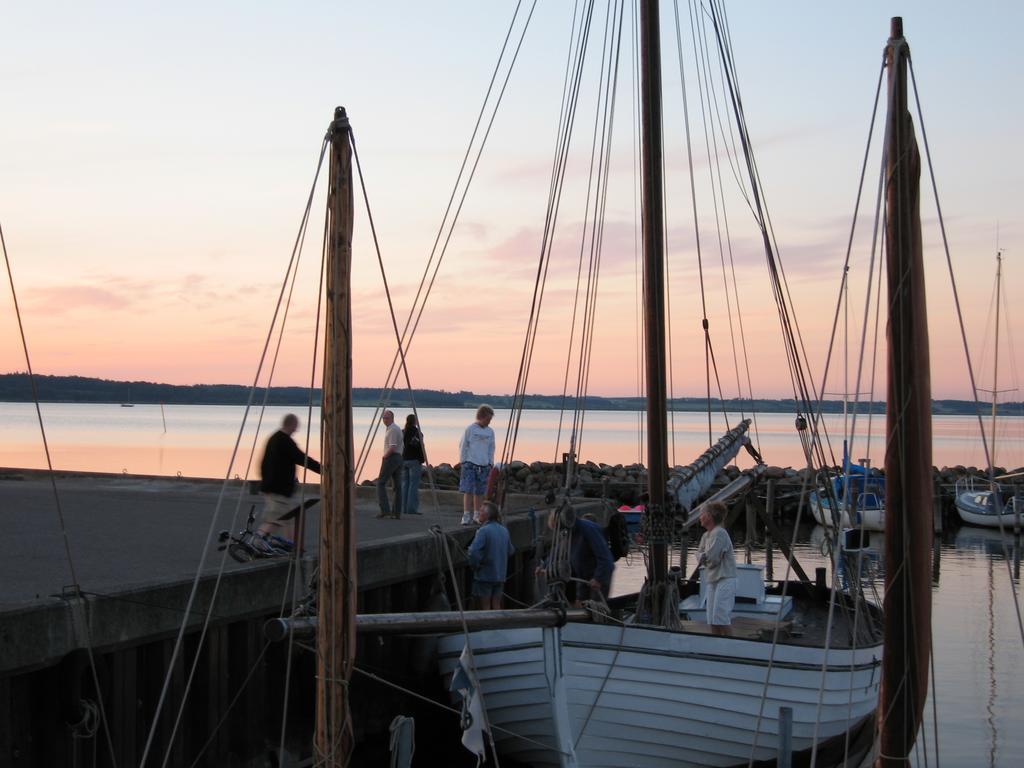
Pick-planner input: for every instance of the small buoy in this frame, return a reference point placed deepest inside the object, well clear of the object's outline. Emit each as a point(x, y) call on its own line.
point(179, 474)
point(124, 470)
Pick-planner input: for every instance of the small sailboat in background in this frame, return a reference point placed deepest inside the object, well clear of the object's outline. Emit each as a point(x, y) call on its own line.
point(855, 498)
point(984, 501)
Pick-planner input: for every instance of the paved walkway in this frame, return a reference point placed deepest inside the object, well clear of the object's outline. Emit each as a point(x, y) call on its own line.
point(131, 531)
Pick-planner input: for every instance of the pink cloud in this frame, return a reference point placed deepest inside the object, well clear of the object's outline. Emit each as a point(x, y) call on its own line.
point(63, 298)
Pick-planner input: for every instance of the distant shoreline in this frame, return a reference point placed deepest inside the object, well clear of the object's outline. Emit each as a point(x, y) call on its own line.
point(16, 388)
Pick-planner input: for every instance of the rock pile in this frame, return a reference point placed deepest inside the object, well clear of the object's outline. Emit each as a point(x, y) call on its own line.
point(541, 476)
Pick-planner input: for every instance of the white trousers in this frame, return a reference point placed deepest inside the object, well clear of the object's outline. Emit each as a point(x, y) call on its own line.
point(721, 599)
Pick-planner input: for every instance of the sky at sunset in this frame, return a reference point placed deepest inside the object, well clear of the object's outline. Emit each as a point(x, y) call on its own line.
point(155, 161)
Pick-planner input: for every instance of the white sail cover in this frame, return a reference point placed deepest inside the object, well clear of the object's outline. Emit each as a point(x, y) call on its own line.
point(691, 482)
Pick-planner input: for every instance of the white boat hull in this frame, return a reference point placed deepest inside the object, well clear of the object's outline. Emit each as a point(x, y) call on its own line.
point(605, 696)
point(870, 519)
point(989, 521)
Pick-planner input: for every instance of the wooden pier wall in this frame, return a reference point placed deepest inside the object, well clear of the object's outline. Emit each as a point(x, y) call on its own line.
point(47, 695)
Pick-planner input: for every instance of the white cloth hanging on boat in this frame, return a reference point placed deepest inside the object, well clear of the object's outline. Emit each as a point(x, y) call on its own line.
point(473, 723)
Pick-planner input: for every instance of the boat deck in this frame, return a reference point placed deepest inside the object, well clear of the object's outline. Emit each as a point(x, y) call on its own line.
point(807, 624)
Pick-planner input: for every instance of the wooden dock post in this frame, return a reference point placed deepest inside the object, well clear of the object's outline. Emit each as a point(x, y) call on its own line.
point(785, 737)
point(751, 523)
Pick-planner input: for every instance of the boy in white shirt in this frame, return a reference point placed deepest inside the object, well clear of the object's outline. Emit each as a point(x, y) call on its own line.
point(476, 453)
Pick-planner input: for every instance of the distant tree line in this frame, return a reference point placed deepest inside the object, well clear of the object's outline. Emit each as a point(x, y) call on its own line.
point(16, 388)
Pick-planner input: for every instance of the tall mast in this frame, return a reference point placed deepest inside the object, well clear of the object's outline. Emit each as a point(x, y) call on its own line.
point(654, 287)
point(995, 367)
point(908, 462)
point(336, 605)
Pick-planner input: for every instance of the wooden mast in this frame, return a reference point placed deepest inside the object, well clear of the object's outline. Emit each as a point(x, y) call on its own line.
point(336, 604)
point(654, 295)
point(908, 462)
point(995, 383)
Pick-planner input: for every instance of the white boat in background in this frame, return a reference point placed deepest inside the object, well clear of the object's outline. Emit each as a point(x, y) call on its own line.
point(976, 503)
point(985, 502)
point(855, 499)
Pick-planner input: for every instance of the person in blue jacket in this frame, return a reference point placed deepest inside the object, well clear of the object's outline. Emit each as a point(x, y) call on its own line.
point(488, 557)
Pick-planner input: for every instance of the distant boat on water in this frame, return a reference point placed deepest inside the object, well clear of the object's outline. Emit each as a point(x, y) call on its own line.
point(980, 501)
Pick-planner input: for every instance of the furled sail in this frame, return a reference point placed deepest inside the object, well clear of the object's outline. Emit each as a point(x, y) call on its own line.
point(908, 456)
point(687, 484)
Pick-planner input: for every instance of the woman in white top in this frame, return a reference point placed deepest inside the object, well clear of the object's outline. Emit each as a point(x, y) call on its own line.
point(716, 554)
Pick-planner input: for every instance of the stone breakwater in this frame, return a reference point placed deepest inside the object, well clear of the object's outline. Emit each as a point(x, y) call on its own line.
point(619, 480)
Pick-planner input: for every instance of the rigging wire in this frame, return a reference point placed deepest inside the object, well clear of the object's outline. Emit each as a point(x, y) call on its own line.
point(637, 281)
point(292, 264)
point(707, 93)
point(963, 333)
point(696, 222)
point(796, 356)
point(294, 565)
point(599, 119)
point(432, 268)
point(795, 353)
point(227, 712)
point(80, 599)
point(721, 213)
point(559, 166)
point(597, 234)
point(290, 280)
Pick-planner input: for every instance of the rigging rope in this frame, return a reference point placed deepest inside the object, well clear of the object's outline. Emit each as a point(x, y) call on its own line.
point(432, 268)
point(963, 333)
point(86, 631)
point(559, 166)
point(716, 121)
point(601, 120)
point(708, 97)
point(292, 264)
point(294, 564)
point(597, 233)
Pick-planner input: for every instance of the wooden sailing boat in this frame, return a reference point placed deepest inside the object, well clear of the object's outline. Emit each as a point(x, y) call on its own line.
point(571, 693)
point(647, 694)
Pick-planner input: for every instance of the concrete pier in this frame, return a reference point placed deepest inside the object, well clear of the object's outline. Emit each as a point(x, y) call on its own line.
point(136, 543)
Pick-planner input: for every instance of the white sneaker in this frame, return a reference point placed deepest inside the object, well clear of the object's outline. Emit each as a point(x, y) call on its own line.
point(467, 518)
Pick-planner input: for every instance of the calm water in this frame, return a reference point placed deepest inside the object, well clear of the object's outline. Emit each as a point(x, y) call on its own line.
point(978, 649)
point(198, 439)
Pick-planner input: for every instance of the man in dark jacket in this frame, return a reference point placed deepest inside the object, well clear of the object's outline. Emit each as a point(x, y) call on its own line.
point(278, 486)
point(590, 558)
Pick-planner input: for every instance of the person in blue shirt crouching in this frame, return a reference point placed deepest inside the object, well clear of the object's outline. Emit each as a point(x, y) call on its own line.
point(488, 557)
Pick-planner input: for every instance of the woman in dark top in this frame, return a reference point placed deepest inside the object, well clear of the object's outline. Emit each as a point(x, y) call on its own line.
point(412, 465)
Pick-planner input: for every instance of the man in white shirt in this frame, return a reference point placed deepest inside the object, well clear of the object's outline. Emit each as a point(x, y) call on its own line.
point(476, 452)
point(390, 468)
